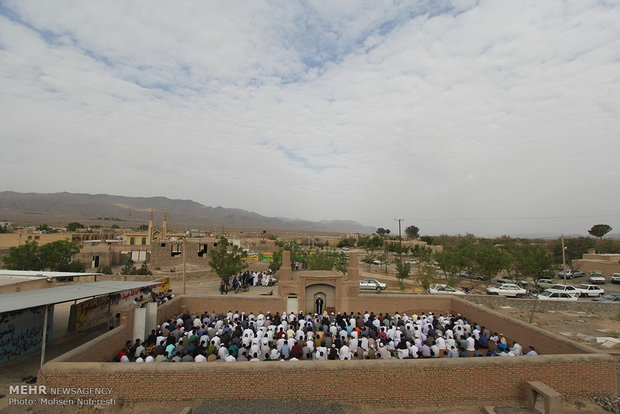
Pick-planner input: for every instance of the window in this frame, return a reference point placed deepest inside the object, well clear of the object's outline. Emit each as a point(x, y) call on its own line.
point(175, 249)
point(132, 241)
point(143, 240)
point(202, 249)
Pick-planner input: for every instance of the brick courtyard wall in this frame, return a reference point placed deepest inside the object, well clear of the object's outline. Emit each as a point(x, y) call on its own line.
point(574, 370)
point(104, 347)
point(403, 303)
point(224, 303)
point(451, 382)
point(514, 329)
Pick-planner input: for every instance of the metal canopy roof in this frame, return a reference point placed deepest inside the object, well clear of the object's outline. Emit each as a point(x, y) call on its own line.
point(42, 274)
point(40, 297)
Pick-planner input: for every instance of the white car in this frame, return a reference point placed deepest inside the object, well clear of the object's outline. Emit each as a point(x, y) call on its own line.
point(596, 277)
point(559, 296)
point(444, 290)
point(507, 289)
point(571, 290)
point(615, 278)
point(589, 290)
point(412, 261)
point(372, 284)
point(376, 262)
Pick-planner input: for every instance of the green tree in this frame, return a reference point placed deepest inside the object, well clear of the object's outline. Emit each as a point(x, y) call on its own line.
point(276, 263)
point(373, 242)
point(56, 256)
point(328, 260)
point(395, 247)
point(427, 273)
point(227, 263)
point(73, 226)
point(116, 226)
point(4, 229)
point(412, 232)
point(449, 262)
point(489, 261)
point(402, 272)
point(144, 270)
point(129, 268)
point(143, 227)
point(369, 258)
point(599, 230)
point(575, 248)
point(44, 228)
point(532, 261)
point(106, 270)
point(346, 242)
point(383, 232)
point(428, 239)
point(24, 257)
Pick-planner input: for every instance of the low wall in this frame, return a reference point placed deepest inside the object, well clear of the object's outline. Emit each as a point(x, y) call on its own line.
point(394, 382)
point(104, 347)
point(219, 303)
point(526, 334)
point(526, 304)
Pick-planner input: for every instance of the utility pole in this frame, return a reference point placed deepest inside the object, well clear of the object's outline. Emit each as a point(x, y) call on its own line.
point(184, 263)
point(563, 259)
point(400, 239)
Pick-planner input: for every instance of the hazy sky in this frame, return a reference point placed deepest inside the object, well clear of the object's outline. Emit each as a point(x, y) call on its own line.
point(491, 117)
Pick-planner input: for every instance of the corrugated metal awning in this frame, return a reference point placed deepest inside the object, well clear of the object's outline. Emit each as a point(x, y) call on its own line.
point(41, 273)
point(51, 296)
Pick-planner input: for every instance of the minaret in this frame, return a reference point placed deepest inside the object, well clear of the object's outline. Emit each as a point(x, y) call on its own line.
point(164, 226)
point(151, 228)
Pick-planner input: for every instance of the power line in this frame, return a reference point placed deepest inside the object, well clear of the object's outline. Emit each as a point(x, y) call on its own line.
point(509, 218)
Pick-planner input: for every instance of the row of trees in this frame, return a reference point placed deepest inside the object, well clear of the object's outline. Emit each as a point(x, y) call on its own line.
point(226, 261)
point(55, 256)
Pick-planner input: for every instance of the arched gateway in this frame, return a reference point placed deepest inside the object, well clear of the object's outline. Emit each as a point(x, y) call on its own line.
point(314, 290)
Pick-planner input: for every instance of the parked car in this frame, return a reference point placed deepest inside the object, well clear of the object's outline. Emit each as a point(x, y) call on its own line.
point(507, 279)
point(556, 296)
point(596, 277)
point(372, 284)
point(412, 261)
point(609, 297)
point(615, 278)
point(570, 273)
point(444, 290)
point(376, 262)
point(545, 283)
point(474, 276)
point(589, 290)
point(571, 290)
point(507, 289)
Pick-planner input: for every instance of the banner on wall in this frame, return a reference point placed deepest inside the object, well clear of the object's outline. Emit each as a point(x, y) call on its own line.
point(268, 257)
point(21, 331)
point(164, 286)
point(252, 256)
point(94, 311)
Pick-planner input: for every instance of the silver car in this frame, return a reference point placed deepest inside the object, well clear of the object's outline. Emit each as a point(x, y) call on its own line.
point(372, 284)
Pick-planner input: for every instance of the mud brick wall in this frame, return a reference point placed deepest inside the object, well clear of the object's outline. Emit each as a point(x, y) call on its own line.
point(393, 382)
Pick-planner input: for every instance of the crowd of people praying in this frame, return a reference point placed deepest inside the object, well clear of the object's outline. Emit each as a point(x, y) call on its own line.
point(237, 337)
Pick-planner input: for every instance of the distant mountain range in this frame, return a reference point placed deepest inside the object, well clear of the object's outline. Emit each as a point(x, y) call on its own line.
point(66, 207)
